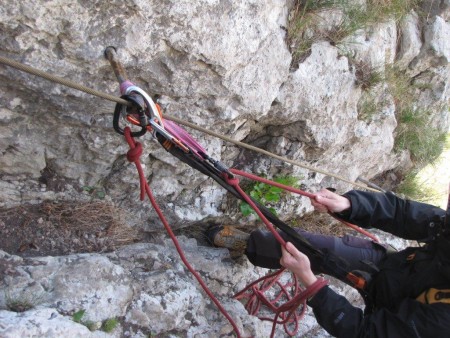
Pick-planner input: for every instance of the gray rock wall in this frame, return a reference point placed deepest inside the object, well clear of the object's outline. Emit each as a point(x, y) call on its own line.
point(146, 285)
point(223, 65)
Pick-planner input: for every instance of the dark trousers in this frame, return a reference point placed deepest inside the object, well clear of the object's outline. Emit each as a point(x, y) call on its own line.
point(264, 250)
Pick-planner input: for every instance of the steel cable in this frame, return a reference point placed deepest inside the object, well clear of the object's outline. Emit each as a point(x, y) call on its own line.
point(74, 85)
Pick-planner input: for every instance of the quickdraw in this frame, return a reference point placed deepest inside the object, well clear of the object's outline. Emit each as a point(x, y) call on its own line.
point(143, 112)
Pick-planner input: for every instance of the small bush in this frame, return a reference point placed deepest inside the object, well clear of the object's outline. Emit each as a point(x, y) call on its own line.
point(109, 325)
point(376, 11)
point(367, 108)
point(399, 86)
point(266, 194)
point(412, 188)
point(21, 302)
point(95, 192)
point(19, 305)
point(367, 76)
point(306, 16)
point(303, 19)
point(413, 132)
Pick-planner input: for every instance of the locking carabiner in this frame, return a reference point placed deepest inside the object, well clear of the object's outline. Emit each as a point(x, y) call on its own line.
point(122, 110)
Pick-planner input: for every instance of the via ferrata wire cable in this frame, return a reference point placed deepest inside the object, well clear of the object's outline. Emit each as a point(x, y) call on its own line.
point(74, 85)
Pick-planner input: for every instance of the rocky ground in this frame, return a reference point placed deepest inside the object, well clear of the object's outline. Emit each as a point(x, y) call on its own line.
point(61, 259)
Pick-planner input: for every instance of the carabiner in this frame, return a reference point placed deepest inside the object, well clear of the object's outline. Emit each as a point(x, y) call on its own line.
point(122, 110)
point(151, 109)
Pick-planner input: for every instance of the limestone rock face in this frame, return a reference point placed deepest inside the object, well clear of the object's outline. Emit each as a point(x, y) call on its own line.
point(45, 322)
point(223, 65)
point(220, 64)
point(211, 61)
point(144, 285)
point(411, 41)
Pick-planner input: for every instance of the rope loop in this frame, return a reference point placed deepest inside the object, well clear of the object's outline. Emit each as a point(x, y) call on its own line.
point(279, 299)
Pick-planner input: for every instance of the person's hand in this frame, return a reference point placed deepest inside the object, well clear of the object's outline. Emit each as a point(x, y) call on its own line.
point(298, 263)
point(326, 201)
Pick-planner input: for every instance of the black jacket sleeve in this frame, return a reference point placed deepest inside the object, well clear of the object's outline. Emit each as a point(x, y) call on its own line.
point(387, 212)
point(411, 320)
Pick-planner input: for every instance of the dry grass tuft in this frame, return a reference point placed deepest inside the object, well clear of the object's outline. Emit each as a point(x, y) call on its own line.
point(58, 228)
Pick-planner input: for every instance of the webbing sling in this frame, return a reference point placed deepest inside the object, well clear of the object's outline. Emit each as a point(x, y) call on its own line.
point(326, 261)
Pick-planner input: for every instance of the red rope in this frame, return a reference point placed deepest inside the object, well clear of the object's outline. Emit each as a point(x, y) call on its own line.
point(289, 305)
point(133, 156)
point(290, 311)
point(303, 193)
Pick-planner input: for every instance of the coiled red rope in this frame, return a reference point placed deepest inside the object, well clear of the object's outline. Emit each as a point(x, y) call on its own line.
point(286, 300)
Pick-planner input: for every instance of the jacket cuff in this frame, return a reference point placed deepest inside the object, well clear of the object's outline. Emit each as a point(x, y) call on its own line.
point(319, 298)
point(352, 211)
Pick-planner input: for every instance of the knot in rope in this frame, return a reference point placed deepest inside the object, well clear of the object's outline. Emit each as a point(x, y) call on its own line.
point(135, 147)
point(134, 153)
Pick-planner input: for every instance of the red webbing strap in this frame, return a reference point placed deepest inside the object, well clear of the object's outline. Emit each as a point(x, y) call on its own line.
point(133, 156)
point(303, 193)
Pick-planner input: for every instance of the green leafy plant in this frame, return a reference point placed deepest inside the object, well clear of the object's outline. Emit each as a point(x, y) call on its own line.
point(77, 316)
point(109, 325)
point(266, 194)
